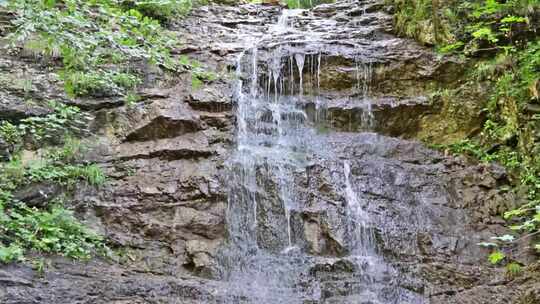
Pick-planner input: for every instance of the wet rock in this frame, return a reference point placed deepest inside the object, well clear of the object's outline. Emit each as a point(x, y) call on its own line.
point(532, 295)
point(165, 123)
point(96, 103)
point(186, 146)
point(201, 256)
point(390, 116)
point(321, 232)
point(37, 195)
point(154, 93)
point(212, 99)
point(99, 282)
point(15, 111)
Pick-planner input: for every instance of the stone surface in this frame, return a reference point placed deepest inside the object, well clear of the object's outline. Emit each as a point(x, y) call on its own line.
point(164, 205)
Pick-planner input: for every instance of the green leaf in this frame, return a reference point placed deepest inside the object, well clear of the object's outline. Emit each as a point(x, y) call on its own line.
point(513, 269)
point(514, 19)
point(485, 33)
point(495, 257)
point(11, 253)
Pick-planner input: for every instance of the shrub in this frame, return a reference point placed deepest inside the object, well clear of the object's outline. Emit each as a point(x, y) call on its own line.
point(163, 10)
point(54, 127)
point(305, 3)
point(98, 83)
point(53, 228)
point(48, 231)
point(10, 134)
point(501, 38)
point(89, 36)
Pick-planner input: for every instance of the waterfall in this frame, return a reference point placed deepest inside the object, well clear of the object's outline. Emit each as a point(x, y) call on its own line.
point(266, 259)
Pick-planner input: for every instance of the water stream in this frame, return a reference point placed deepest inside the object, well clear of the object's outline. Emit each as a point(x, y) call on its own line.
point(265, 260)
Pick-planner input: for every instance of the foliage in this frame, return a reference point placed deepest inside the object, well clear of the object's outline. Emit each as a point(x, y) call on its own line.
point(472, 26)
point(501, 38)
point(199, 74)
point(513, 269)
point(11, 253)
point(305, 3)
point(91, 173)
point(10, 134)
point(507, 157)
point(55, 230)
point(495, 257)
point(163, 10)
point(91, 43)
point(512, 127)
point(95, 40)
point(15, 174)
point(92, 36)
point(424, 20)
point(131, 99)
point(39, 265)
point(71, 150)
point(52, 228)
point(98, 83)
point(54, 127)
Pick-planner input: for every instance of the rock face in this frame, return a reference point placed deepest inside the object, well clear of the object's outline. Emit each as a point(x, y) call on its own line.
point(293, 183)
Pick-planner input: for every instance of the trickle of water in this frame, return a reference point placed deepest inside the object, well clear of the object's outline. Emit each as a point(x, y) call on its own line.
point(364, 75)
point(319, 73)
point(265, 261)
point(300, 58)
point(362, 236)
point(254, 74)
point(284, 23)
point(261, 261)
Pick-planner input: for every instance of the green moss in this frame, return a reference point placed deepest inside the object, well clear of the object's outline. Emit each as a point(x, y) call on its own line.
point(162, 10)
point(98, 83)
point(500, 38)
point(92, 36)
point(305, 3)
point(52, 228)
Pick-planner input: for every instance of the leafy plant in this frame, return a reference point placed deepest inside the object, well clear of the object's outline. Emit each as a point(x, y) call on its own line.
point(513, 269)
point(69, 152)
point(496, 256)
point(51, 231)
point(131, 99)
point(480, 25)
point(91, 36)
point(91, 173)
point(199, 74)
point(163, 10)
point(10, 134)
point(500, 37)
point(53, 228)
point(54, 127)
point(39, 265)
point(11, 253)
point(485, 33)
point(98, 83)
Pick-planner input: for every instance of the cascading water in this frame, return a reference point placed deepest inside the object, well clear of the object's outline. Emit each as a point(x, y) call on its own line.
point(264, 261)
